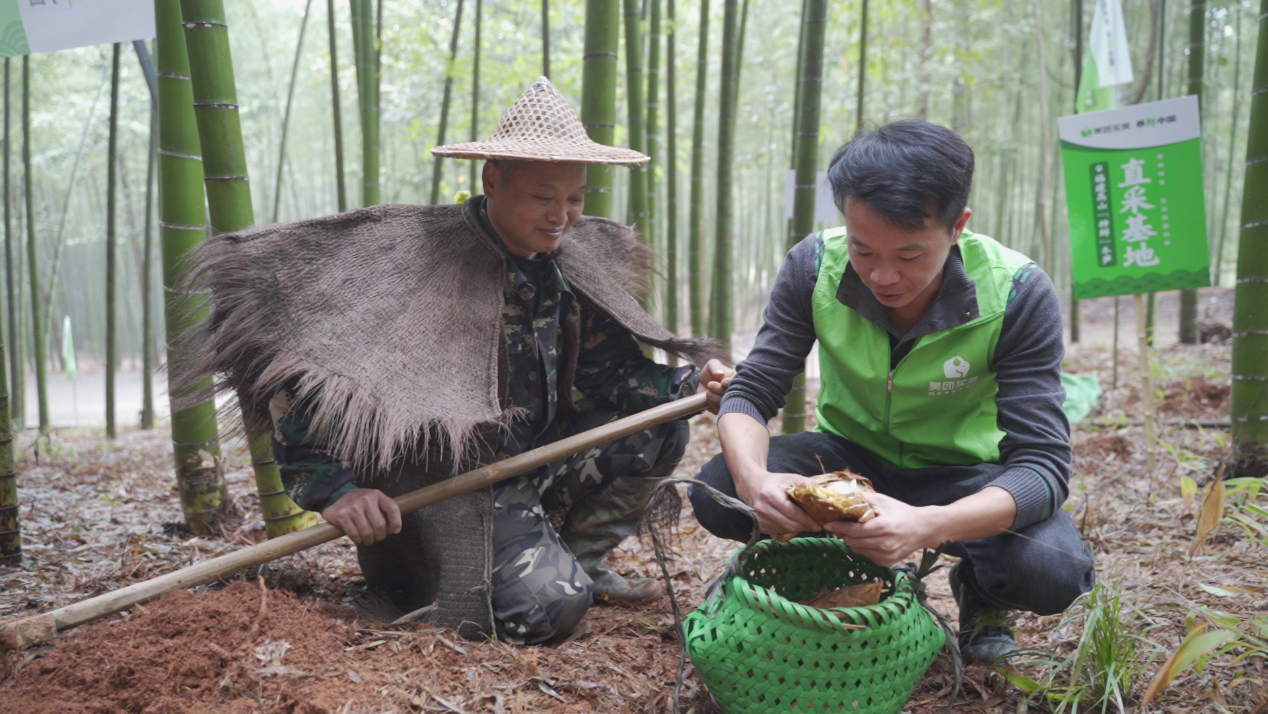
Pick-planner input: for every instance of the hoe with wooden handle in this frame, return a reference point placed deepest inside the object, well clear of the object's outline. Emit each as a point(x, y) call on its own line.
point(42, 628)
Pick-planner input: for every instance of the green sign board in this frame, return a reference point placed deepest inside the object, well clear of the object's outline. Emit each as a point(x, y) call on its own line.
point(1133, 179)
point(29, 26)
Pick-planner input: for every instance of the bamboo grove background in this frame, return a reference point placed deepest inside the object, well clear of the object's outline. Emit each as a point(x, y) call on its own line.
point(973, 66)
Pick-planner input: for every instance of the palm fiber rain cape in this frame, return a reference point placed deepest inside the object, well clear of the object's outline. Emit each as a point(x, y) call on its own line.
point(390, 320)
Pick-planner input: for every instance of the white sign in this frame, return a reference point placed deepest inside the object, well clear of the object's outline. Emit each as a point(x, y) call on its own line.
point(1108, 42)
point(825, 209)
point(30, 26)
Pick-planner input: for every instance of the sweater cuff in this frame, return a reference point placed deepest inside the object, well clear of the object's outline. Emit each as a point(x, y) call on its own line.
point(1030, 492)
point(736, 402)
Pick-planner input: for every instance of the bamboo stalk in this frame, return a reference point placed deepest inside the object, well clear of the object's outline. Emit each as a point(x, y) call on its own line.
point(858, 115)
point(636, 128)
point(1249, 410)
point(721, 314)
point(1146, 386)
point(336, 111)
point(112, 148)
point(12, 284)
point(1197, 61)
point(794, 416)
point(182, 226)
point(1232, 143)
point(806, 164)
point(671, 175)
point(286, 115)
point(37, 306)
point(10, 531)
point(1077, 25)
point(473, 179)
point(698, 284)
point(363, 35)
point(598, 96)
point(229, 203)
point(1041, 207)
point(438, 161)
point(42, 628)
point(652, 102)
point(147, 257)
point(546, 38)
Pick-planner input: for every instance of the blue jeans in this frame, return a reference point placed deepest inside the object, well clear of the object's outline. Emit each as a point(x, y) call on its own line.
point(1042, 568)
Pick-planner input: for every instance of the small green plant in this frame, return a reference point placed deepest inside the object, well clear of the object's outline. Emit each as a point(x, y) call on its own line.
point(1248, 507)
point(1101, 673)
point(1212, 633)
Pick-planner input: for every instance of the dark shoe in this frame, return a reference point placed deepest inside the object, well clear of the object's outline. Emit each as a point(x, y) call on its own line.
point(986, 634)
point(609, 586)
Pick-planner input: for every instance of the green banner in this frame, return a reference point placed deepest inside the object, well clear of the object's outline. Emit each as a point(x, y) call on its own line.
point(1135, 198)
point(29, 26)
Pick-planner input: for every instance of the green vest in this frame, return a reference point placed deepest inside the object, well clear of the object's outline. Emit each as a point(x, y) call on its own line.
point(937, 406)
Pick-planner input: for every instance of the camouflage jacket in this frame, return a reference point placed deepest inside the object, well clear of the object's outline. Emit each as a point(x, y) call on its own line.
point(547, 328)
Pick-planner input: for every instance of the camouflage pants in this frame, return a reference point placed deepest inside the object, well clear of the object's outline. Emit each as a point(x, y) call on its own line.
point(540, 590)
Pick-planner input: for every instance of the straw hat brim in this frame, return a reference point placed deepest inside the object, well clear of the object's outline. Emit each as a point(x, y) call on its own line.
point(512, 150)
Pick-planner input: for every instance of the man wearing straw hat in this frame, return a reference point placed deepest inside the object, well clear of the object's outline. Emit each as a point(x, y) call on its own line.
point(394, 346)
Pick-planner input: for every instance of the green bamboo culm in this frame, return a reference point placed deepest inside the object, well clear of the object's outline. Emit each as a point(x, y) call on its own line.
point(858, 112)
point(363, 46)
point(10, 530)
point(546, 39)
point(1249, 410)
point(1232, 142)
point(1076, 26)
point(148, 351)
point(696, 285)
point(13, 288)
point(112, 178)
point(598, 97)
point(795, 404)
point(229, 204)
point(438, 161)
point(37, 306)
point(473, 176)
point(336, 111)
point(286, 114)
point(652, 101)
point(671, 172)
point(200, 479)
point(721, 298)
point(806, 164)
point(1197, 65)
point(636, 214)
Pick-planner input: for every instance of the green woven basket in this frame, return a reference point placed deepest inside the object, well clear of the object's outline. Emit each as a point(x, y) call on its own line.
point(759, 651)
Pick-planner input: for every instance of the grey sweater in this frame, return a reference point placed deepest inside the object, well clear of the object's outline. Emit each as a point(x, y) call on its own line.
point(1035, 449)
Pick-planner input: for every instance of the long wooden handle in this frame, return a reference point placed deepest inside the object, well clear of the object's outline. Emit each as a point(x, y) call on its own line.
point(42, 628)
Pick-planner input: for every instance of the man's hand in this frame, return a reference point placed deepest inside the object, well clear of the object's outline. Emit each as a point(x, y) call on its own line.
point(897, 531)
point(776, 512)
point(715, 377)
point(366, 515)
point(900, 530)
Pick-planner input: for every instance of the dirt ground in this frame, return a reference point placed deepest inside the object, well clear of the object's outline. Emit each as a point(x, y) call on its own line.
point(98, 515)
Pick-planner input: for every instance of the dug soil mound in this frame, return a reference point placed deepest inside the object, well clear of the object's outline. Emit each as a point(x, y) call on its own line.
point(228, 650)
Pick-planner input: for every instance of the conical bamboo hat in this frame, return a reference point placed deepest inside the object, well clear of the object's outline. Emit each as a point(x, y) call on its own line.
point(542, 126)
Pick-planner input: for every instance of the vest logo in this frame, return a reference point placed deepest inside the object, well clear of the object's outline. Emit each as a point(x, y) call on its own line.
point(955, 370)
point(956, 367)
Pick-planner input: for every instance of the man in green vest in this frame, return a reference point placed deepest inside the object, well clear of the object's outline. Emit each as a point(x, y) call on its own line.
point(940, 361)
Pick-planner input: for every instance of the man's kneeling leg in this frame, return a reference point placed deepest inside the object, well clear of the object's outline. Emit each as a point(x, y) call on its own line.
point(540, 591)
point(607, 492)
point(1042, 569)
